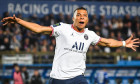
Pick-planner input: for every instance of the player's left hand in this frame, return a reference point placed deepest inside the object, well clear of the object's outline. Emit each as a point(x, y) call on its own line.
point(132, 43)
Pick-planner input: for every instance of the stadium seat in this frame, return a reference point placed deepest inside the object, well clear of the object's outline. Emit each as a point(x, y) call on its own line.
point(125, 81)
point(112, 81)
point(136, 81)
point(88, 75)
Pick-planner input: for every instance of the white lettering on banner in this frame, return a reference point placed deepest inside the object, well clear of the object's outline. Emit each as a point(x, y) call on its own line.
point(54, 9)
point(36, 9)
point(11, 8)
point(28, 8)
point(74, 7)
point(119, 10)
point(114, 10)
point(127, 8)
point(93, 9)
point(90, 9)
point(68, 9)
point(134, 11)
point(24, 9)
point(18, 9)
point(44, 9)
point(102, 10)
point(108, 10)
point(87, 7)
point(65, 9)
point(61, 9)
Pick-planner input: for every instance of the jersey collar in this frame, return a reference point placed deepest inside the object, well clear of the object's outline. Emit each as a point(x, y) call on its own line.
point(76, 30)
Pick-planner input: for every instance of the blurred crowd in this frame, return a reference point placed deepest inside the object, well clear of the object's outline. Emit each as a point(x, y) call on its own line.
point(17, 38)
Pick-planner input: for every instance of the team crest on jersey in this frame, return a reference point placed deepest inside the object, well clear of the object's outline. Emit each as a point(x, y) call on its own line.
point(57, 24)
point(86, 36)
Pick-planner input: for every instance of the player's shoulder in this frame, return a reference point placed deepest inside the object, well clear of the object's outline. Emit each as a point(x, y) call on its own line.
point(61, 24)
point(65, 24)
point(89, 31)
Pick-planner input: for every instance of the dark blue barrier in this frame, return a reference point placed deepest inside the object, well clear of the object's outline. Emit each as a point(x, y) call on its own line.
point(89, 73)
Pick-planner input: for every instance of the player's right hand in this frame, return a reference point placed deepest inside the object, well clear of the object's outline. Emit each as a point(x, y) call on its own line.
point(7, 20)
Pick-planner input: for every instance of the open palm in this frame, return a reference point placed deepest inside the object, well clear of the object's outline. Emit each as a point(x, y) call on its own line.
point(132, 43)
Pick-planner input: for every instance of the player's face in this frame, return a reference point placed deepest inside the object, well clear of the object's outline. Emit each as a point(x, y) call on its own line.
point(80, 18)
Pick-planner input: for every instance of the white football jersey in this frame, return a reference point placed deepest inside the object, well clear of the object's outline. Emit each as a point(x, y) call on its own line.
point(70, 51)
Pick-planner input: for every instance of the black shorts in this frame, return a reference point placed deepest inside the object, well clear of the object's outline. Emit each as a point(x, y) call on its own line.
point(76, 80)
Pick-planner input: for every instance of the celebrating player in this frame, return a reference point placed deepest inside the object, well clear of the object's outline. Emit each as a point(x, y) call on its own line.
point(72, 43)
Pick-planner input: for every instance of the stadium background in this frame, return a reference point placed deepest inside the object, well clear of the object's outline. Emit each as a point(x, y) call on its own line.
point(116, 19)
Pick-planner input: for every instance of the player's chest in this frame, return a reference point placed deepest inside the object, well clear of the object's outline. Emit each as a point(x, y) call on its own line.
point(77, 40)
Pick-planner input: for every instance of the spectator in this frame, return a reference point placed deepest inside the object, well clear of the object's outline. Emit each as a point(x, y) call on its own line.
point(34, 18)
point(26, 45)
point(17, 75)
point(44, 46)
point(114, 24)
point(51, 48)
point(52, 19)
point(68, 19)
point(119, 36)
point(60, 18)
point(25, 75)
point(45, 21)
point(36, 78)
point(5, 14)
point(104, 31)
point(94, 20)
point(15, 44)
point(120, 23)
point(6, 44)
point(101, 77)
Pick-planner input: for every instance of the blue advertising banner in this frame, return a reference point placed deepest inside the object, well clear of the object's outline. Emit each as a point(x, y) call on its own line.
point(42, 7)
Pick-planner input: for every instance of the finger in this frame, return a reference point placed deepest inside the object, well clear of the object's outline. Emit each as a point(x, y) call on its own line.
point(131, 36)
point(7, 18)
point(133, 48)
point(3, 20)
point(5, 23)
point(136, 42)
point(135, 39)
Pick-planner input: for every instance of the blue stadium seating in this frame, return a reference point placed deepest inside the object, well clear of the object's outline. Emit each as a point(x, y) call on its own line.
point(112, 81)
point(136, 81)
point(125, 81)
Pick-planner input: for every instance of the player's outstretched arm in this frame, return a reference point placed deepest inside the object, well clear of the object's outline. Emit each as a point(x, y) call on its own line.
point(129, 43)
point(29, 25)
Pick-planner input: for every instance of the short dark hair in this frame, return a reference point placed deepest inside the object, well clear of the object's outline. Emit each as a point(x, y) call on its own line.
point(80, 8)
point(15, 64)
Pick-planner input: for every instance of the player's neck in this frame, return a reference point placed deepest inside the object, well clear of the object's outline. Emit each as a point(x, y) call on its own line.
point(81, 30)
